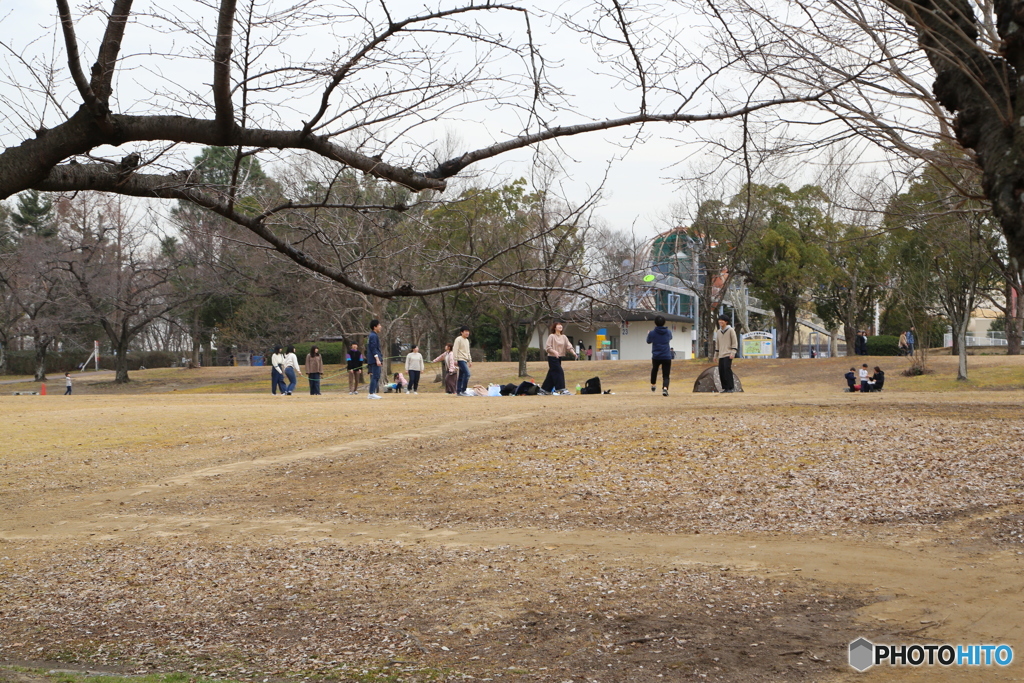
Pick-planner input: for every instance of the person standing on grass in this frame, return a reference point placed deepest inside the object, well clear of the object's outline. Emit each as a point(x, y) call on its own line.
point(460, 349)
point(414, 366)
point(661, 353)
point(67, 383)
point(374, 358)
point(291, 366)
point(449, 370)
point(277, 372)
point(911, 340)
point(590, 353)
point(556, 346)
point(725, 350)
point(354, 365)
point(314, 368)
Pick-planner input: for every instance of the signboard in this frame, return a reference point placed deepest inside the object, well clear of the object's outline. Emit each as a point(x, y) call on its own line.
point(758, 345)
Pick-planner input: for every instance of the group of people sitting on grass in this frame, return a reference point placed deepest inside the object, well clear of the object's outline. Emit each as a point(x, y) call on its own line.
point(858, 380)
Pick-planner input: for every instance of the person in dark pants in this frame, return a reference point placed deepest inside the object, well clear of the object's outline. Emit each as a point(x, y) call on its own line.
point(661, 353)
point(725, 350)
point(314, 369)
point(911, 341)
point(67, 383)
point(374, 358)
point(556, 346)
point(277, 372)
point(460, 347)
point(414, 366)
point(354, 365)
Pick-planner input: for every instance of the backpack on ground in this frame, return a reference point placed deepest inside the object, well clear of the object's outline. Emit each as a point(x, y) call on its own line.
point(593, 386)
point(527, 389)
point(509, 389)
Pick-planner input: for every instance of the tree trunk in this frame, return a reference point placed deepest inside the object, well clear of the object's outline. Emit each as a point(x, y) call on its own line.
point(524, 352)
point(850, 333)
point(3, 358)
point(121, 360)
point(785, 322)
point(41, 345)
point(960, 341)
point(1014, 332)
point(1014, 321)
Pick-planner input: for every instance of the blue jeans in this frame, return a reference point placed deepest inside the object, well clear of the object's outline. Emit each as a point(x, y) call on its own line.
point(463, 382)
point(276, 381)
point(374, 377)
point(290, 374)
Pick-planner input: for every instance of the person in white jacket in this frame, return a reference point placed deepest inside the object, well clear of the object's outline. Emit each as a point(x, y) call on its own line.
point(291, 366)
point(277, 372)
point(414, 366)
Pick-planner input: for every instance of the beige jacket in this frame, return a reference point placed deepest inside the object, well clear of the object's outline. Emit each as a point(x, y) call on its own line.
point(460, 349)
point(314, 363)
point(725, 342)
point(558, 345)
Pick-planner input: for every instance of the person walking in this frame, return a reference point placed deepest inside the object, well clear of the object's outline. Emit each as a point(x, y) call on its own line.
point(556, 346)
point(414, 366)
point(911, 340)
point(354, 365)
point(449, 370)
point(374, 358)
point(903, 344)
point(277, 372)
point(314, 369)
point(580, 351)
point(460, 349)
point(661, 353)
point(291, 366)
point(67, 383)
point(590, 353)
point(725, 350)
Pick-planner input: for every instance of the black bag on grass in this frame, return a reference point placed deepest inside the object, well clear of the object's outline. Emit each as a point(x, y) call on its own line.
point(527, 389)
point(593, 386)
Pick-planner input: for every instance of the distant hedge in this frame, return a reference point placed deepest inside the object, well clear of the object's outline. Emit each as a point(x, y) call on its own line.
point(24, 362)
point(883, 345)
point(333, 352)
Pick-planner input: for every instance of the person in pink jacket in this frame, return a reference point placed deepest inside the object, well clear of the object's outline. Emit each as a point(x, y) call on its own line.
point(449, 370)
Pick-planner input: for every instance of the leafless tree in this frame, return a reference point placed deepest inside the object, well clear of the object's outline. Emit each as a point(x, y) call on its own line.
point(35, 294)
point(372, 105)
point(115, 271)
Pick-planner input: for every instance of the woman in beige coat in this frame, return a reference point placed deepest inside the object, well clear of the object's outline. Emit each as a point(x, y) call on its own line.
point(556, 346)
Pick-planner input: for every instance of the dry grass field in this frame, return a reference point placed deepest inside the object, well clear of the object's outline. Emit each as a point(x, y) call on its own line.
point(191, 522)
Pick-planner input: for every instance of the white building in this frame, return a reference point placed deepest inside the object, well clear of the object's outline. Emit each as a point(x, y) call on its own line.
point(622, 334)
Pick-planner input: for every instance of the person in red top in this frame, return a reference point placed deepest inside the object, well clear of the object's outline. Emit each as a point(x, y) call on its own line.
point(556, 346)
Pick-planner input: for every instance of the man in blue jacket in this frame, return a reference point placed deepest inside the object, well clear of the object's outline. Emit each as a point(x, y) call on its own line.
point(374, 358)
point(661, 353)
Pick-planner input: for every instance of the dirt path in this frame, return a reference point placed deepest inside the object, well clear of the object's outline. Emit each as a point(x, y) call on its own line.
point(933, 590)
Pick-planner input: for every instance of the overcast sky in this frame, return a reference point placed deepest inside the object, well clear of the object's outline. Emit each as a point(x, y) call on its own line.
point(163, 70)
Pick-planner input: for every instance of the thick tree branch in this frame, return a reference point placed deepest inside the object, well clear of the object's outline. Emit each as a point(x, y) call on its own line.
point(222, 67)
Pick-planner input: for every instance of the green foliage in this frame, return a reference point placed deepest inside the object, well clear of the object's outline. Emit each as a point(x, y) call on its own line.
point(333, 352)
point(884, 345)
point(33, 215)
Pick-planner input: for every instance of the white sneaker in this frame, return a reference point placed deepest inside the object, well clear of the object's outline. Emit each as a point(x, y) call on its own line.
point(374, 396)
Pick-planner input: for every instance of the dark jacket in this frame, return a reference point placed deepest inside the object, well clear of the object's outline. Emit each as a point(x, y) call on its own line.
point(660, 338)
point(373, 349)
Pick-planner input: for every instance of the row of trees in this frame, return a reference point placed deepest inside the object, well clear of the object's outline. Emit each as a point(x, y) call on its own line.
point(929, 255)
point(94, 264)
